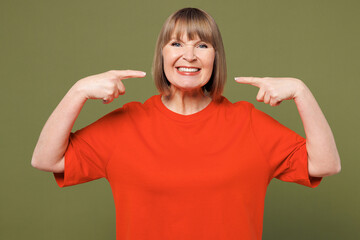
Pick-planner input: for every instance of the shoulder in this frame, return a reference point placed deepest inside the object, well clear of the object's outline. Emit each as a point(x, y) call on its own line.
point(239, 106)
point(132, 110)
point(246, 110)
point(237, 111)
point(118, 119)
point(250, 108)
point(244, 105)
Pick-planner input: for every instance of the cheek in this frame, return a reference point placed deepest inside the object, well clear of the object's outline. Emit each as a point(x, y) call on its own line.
point(210, 59)
point(169, 56)
point(165, 56)
point(207, 57)
point(167, 64)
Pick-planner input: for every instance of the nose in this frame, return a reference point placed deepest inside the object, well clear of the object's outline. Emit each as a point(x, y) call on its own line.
point(189, 54)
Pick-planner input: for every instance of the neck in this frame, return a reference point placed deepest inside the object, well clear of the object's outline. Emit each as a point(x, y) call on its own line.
point(186, 102)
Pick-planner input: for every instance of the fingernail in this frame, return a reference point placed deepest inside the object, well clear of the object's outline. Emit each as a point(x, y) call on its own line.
point(144, 73)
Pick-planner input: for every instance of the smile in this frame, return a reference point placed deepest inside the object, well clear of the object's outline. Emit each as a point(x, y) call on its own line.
point(184, 69)
point(188, 70)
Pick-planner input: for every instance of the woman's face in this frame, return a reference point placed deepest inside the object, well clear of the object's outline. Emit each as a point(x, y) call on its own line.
point(188, 64)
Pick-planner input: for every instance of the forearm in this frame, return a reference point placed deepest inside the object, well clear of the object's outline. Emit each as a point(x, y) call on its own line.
point(54, 136)
point(323, 157)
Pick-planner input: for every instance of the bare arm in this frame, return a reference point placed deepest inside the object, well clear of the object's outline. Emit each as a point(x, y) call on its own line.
point(53, 141)
point(323, 157)
point(54, 138)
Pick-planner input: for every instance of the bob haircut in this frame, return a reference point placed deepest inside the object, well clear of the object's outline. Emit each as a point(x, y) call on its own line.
point(195, 23)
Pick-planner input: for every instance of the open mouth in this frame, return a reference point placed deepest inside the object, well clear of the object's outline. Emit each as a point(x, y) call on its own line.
point(188, 69)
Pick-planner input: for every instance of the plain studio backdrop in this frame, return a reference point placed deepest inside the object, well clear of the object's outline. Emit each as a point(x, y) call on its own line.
point(46, 46)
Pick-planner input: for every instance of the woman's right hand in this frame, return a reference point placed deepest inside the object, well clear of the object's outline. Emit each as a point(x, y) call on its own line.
point(107, 85)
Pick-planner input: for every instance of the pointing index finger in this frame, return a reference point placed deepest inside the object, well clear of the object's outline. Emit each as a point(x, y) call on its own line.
point(123, 74)
point(249, 80)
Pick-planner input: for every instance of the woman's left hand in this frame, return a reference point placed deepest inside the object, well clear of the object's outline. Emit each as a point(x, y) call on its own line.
point(323, 156)
point(274, 90)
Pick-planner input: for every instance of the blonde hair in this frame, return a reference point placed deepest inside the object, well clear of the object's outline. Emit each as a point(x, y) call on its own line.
point(195, 23)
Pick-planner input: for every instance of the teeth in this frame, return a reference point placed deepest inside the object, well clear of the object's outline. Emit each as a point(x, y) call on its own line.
point(182, 69)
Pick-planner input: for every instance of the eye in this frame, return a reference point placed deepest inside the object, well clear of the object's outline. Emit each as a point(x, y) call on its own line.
point(203, 45)
point(175, 44)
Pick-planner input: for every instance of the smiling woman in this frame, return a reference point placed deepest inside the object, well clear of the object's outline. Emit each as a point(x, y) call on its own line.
point(188, 65)
point(187, 163)
point(190, 38)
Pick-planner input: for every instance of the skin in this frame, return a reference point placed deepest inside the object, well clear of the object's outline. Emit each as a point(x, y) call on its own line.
point(323, 157)
point(187, 98)
point(54, 138)
point(186, 95)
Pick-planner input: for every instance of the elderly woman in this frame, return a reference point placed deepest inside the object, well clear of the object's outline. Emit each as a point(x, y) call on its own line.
point(187, 163)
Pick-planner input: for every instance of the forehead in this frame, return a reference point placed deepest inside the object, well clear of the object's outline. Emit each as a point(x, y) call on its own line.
point(185, 36)
point(192, 30)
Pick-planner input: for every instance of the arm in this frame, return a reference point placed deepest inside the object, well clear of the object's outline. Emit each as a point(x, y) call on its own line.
point(49, 151)
point(323, 157)
point(54, 138)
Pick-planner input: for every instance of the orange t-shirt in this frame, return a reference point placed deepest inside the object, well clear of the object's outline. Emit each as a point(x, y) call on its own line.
point(194, 177)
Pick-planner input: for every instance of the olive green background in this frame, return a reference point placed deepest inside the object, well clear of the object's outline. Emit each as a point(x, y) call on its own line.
point(46, 46)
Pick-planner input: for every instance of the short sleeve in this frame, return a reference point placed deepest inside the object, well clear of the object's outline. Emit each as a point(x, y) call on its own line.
point(89, 151)
point(284, 149)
